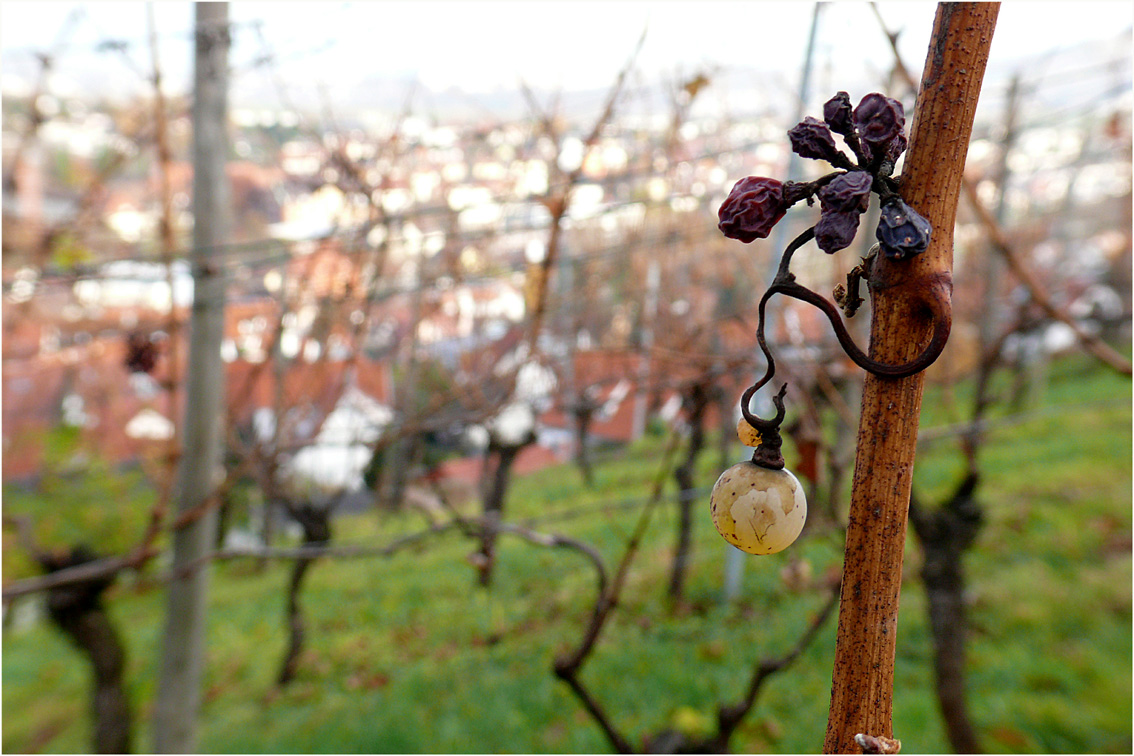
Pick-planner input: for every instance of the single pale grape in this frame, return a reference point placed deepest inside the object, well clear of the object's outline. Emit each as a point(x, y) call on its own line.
point(748, 435)
point(758, 510)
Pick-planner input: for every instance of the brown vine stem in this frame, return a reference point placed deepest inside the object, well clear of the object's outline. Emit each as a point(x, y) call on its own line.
point(1093, 344)
point(569, 666)
point(862, 688)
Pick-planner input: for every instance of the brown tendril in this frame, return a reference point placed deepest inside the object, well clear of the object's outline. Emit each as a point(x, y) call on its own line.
point(785, 283)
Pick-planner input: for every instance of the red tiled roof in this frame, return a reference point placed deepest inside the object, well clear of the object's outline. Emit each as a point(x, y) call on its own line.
point(326, 272)
point(468, 469)
point(535, 457)
point(33, 389)
point(318, 384)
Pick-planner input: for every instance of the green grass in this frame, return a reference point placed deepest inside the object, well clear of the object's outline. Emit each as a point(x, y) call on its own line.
point(405, 654)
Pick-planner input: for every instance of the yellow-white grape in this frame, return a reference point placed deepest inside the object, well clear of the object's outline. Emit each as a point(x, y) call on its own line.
point(748, 435)
point(758, 510)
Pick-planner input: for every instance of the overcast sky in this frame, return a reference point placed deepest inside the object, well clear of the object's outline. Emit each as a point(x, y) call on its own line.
point(486, 46)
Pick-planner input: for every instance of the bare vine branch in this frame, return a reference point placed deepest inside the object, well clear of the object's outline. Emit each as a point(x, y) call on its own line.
point(559, 202)
point(1092, 343)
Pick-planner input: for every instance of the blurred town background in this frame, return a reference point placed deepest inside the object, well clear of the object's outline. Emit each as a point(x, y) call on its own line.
point(366, 239)
point(421, 273)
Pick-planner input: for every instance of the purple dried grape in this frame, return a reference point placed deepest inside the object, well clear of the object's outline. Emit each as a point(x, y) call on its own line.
point(843, 200)
point(810, 138)
point(837, 114)
point(896, 148)
point(901, 230)
point(847, 193)
point(752, 208)
point(836, 231)
point(879, 119)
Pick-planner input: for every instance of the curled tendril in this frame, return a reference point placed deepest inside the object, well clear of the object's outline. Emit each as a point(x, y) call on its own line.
point(934, 296)
point(764, 426)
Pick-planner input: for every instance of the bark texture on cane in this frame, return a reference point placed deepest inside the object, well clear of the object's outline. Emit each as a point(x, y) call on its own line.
point(902, 324)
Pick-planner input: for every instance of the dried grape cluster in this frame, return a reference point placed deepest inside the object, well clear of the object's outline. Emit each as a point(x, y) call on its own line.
point(756, 505)
point(874, 133)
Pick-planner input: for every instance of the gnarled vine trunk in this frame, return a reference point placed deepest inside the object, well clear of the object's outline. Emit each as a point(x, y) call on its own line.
point(696, 402)
point(78, 611)
point(945, 534)
point(316, 524)
point(493, 506)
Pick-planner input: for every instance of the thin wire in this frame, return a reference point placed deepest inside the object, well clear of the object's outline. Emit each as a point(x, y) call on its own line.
point(428, 211)
point(705, 232)
point(612, 250)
